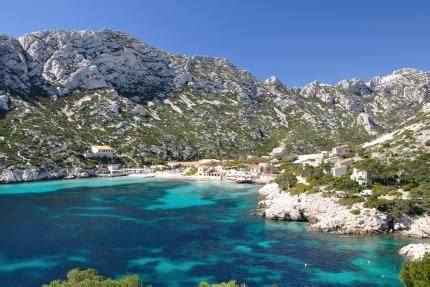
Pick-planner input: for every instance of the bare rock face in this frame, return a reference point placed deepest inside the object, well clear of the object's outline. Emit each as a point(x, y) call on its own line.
point(354, 86)
point(13, 67)
point(62, 61)
point(33, 174)
point(417, 226)
point(4, 101)
point(415, 251)
point(368, 123)
point(323, 213)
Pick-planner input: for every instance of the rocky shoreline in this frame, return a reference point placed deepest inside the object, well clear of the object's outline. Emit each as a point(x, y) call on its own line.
point(13, 175)
point(415, 251)
point(326, 215)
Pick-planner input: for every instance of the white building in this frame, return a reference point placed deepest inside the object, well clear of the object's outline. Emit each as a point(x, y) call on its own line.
point(341, 150)
point(102, 151)
point(346, 162)
point(339, 170)
point(360, 176)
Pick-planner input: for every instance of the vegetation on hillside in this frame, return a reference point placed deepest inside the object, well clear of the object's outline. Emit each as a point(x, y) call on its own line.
point(416, 273)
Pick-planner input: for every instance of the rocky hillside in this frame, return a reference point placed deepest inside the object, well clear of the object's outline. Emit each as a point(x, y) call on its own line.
point(61, 91)
point(409, 139)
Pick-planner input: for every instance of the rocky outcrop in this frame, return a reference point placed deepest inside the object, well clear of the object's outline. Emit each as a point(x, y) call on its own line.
point(415, 251)
point(13, 175)
point(33, 174)
point(4, 101)
point(354, 86)
point(13, 67)
point(323, 213)
point(417, 226)
point(60, 62)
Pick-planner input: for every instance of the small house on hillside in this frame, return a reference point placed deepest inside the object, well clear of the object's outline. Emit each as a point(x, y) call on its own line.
point(341, 150)
point(99, 151)
point(339, 170)
point(360, 176)
point(346, 162)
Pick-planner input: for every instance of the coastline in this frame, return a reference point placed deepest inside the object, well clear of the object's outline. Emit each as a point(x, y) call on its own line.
point(325, 214)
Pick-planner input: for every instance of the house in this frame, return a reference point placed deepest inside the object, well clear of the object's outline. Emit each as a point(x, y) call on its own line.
point(219, 167)
point(360, 176)
point(339, 170)
point(332, 160)
point(214, 173)
point(253, 167)
point(101, 151)
point(366, 192)
point(346, 162)
point(201, 170)
point(341, 150)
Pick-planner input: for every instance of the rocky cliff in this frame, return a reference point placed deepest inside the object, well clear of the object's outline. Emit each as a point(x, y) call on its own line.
point(325, 214)
point(61, 91)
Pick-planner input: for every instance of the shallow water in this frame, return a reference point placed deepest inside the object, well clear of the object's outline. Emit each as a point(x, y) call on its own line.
point(175, 233)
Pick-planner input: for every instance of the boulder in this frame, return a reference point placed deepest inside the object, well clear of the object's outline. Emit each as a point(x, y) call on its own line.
point(415, 251)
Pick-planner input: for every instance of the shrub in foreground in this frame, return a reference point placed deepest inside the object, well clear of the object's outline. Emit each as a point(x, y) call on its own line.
point(416, 273)
point(90, 278)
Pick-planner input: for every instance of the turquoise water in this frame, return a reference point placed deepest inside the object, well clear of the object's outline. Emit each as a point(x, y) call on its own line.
point(175, 233)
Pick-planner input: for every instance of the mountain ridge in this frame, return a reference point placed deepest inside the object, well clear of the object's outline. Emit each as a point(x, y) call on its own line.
point(69, 89)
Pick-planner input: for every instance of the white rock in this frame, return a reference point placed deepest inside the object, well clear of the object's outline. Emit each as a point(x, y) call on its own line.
point(415, 251)
point(323, 213)
point(4, 101)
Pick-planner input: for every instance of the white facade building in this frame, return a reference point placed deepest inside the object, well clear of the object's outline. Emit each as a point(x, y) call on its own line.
point(339, 170)
point(360, 176)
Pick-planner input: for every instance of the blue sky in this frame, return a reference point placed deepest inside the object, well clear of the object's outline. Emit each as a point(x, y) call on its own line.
point(298, 41)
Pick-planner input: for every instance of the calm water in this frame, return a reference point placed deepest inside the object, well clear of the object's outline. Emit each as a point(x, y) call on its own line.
point(174, 233)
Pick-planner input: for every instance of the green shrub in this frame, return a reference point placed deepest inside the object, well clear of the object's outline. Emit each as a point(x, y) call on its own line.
point(356, 211)
point(348, 201)
point(90, 277)
point(379, 189)
point(416, 273)
point(193, 171)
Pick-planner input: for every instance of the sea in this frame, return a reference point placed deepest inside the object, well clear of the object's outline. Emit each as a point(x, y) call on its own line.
point(174, 232)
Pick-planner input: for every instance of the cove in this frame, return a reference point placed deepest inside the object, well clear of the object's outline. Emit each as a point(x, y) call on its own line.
point(175, 233)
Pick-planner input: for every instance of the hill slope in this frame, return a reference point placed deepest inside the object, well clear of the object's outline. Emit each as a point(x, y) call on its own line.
point(61, 91)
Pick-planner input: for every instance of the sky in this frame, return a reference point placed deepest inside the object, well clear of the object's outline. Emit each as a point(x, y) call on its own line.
point(297, 41)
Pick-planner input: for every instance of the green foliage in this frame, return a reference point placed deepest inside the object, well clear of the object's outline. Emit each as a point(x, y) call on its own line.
point(90, 278)
point(379, 189)
point(348, 201)
point(303, 188)
point(286, 180)
point(347, 185)
point(416, 273)
point(193, 171)
point(355, 211)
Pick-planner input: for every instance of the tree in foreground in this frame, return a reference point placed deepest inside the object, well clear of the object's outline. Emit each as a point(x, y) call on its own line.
point(416, 273)
point(90, 278)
